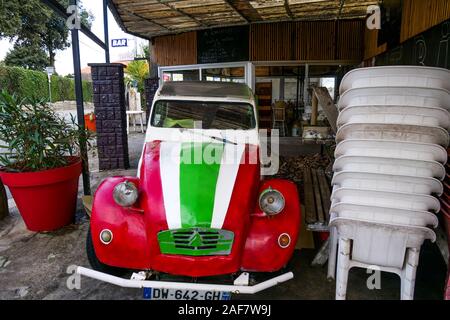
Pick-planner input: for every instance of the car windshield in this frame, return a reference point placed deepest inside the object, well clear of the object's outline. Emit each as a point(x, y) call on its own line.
point(203, 115)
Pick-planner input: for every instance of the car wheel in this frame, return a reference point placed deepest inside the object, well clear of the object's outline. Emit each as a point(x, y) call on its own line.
point(96, 264)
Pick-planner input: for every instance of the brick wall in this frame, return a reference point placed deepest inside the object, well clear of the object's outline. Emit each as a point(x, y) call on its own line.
point(110, 113)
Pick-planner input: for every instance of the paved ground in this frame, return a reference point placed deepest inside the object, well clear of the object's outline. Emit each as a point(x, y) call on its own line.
point(33, 266)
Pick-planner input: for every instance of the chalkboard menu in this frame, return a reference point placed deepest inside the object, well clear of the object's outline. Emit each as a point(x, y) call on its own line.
point(223, 45)
point(431, 48)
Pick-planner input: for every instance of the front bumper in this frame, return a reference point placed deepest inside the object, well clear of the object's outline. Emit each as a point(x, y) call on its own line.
point(134, 283)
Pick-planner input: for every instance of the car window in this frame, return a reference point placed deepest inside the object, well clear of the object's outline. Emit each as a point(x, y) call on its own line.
point(203, 115)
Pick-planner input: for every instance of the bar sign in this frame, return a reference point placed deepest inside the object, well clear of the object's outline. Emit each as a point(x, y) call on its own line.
point(119, 43)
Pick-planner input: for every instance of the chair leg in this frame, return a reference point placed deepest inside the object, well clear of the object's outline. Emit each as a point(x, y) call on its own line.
point(142, 123)
point(134, 123)
point(128, 124)
point(408, 279)
point(343, 267)
point(331, 275)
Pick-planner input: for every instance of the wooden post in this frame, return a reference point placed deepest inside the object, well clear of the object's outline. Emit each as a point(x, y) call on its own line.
point(4, 211)
point(327, 104)
point(315, 109)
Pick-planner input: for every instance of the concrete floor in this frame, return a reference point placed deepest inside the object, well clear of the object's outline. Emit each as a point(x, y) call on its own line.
point(34, 265)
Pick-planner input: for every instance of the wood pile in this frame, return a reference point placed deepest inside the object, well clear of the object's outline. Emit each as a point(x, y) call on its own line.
point(292, 168)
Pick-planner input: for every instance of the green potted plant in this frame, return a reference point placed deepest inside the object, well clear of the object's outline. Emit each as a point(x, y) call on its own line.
point(40, 161)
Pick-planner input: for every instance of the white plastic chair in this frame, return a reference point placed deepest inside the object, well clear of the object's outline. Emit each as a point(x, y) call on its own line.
point(353, 204)
point(405, 201)
point(398, 115)
point(135, 110)
point(395, 96)
point(411, 76)
point(405, 167)
point(386, 247)
point(391, 149)
point(402, 133)
point(386, 182)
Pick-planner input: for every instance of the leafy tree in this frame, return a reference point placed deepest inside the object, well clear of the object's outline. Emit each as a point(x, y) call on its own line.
point(27, 55)
point(146, 51)
point(31, 22)
point(137, 71)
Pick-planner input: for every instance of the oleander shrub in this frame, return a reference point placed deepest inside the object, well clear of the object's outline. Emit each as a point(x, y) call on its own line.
point(34, 137)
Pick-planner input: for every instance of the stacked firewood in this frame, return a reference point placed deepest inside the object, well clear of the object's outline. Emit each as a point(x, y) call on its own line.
point(292, 168)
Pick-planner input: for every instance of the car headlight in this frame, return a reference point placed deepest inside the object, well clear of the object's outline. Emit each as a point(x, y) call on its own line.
point(271, 201)
point(125, 194)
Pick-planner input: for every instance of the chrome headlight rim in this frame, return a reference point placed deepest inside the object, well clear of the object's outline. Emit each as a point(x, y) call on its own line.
point(125, 194)
point(267, 206)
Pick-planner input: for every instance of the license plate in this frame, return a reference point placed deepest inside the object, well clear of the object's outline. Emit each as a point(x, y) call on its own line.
point(178, 294)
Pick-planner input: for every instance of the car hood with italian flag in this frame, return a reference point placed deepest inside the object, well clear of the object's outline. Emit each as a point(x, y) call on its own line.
point(194, 182)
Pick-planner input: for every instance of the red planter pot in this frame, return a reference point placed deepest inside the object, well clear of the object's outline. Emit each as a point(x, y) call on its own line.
point(46, 199)
point(89, 122)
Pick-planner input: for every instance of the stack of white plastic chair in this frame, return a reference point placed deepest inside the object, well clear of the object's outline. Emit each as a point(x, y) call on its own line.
point(392, 133)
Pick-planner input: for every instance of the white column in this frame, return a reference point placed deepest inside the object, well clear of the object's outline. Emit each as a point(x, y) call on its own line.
point(250, 79)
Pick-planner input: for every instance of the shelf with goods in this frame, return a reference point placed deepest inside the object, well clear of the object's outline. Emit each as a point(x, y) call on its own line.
point(264, 100)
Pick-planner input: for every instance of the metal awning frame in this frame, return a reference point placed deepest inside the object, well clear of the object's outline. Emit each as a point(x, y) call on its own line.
point(62, 12)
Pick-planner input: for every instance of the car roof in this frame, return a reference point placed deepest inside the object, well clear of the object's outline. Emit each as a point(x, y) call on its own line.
point(206, 89)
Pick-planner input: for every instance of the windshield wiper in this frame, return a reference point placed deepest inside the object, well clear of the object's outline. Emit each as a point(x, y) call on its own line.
point(223, 140)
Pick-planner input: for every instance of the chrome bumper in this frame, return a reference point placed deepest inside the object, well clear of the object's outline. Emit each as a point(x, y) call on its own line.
point(137, 283)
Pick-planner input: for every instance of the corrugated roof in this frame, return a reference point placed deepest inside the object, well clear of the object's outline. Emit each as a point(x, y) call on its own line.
point(150, 18)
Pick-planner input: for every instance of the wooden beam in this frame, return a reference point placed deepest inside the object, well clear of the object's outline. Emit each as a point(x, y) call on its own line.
point(232, 6)
point(310, 207)
point(324, 99)
point(325, 193)
point(172, 7)
point(315, 108)
point(288, 9)
point(341, 6)
point(142, 18)
point(318, 197)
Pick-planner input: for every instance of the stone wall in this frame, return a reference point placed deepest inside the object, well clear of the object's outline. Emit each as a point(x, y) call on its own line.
point(110, 113)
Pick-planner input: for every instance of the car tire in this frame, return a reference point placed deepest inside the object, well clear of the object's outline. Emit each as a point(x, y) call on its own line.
point(96, 264)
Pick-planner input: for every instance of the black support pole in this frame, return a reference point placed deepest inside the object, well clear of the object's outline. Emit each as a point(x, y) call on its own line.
point(105, 28)
point(80, 105)
point(61, 11)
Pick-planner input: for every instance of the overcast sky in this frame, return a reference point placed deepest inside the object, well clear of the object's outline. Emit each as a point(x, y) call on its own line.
point(89, 51)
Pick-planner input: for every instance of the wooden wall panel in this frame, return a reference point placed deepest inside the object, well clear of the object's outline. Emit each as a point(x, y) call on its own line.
point(284, 41)
point(307, 41)
point(315, 40)
point(421, 15)
point(350, 40)
point(271, 41)
point(179, 49)
point(417, 17)
point(371, 48)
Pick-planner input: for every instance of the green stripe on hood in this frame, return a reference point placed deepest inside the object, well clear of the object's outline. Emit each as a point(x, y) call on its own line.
point(199, 170)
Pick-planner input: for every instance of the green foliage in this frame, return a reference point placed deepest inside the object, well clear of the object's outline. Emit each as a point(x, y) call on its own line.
point(35, 137)
point(10, 17)
point(30, 21)
point(146, 51)
point(34, 84)
point(28, 56)
point(137, 71)
point(24, 83)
